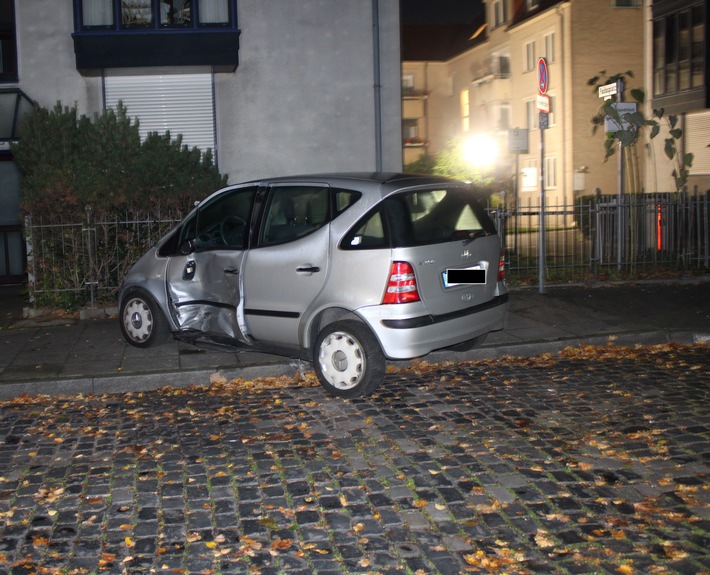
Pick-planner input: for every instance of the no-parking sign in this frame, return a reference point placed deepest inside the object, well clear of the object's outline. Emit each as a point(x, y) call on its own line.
point(543, 77)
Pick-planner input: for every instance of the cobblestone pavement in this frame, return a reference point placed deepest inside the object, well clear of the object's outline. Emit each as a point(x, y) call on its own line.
point(595, 461)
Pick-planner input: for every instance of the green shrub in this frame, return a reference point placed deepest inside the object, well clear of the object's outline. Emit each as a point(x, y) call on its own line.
point(102, 198)
point(70, 163)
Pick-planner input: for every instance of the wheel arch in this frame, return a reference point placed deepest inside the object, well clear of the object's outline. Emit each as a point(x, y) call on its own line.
point(325, 317)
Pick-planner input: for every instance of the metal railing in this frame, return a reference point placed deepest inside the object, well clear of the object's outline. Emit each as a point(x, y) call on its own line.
point(599, 238)
point(71, 264)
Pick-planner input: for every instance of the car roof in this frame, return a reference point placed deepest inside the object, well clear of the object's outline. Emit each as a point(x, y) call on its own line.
point(386, 181)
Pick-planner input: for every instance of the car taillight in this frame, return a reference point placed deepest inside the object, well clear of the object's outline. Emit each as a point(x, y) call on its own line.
point(501, 268)
point(402, 285)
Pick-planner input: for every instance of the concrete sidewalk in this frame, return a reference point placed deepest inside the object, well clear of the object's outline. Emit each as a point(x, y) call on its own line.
point(90, 356)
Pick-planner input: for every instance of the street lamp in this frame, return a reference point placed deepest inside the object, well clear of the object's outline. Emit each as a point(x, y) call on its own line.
point(480, 150)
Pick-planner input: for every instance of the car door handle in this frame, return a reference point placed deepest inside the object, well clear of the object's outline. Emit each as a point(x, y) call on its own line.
point(232, 271)
point(308, 269)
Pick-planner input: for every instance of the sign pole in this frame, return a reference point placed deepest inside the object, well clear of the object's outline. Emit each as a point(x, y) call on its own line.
point(543, 82)
point(619, 186)
point(541, 225)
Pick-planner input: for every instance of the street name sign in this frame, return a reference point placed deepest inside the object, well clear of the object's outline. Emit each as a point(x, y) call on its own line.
point(608, 90)
point(622, 108)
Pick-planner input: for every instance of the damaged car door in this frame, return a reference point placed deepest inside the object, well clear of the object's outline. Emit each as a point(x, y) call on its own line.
point(204, 284)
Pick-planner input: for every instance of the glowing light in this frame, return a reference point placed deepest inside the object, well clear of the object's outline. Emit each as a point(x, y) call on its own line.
point(480, 151)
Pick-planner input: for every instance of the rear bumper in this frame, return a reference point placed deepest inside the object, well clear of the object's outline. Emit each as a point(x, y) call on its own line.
point(416, 336)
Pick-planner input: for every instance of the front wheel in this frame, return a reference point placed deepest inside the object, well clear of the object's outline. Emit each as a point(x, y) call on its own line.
point(142, 322)
point(348, 359)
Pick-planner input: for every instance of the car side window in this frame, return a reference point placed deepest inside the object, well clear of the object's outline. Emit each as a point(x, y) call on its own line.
point(368, 233)
point(293, 212)
point(222, 223)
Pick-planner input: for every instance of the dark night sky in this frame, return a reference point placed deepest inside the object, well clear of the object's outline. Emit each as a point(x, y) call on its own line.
point(439, 11)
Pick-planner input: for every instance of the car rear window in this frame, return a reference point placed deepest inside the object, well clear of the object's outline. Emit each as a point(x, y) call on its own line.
point(421, 217)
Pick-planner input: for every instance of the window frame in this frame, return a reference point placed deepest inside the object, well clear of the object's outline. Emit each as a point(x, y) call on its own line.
point(333, 210)
point(156, 25)
point(550, 175)
point(679, 52)
point(390, 212)
point(549, 42)
point(8, 45)
point(529, 56)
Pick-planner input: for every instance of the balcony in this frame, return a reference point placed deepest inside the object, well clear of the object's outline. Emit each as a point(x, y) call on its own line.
point(410, 93)
point(149, 33)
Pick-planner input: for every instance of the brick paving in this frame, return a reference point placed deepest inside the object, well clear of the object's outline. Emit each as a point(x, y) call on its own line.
point(591, 463)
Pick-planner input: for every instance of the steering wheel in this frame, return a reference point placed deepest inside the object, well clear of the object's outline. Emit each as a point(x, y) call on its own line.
point(227, 227)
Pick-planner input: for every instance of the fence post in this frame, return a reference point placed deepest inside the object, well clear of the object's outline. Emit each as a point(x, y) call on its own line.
point(92, 280)
point(29, 247)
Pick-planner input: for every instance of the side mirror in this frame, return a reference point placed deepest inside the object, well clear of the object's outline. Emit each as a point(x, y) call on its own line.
point(187, 247)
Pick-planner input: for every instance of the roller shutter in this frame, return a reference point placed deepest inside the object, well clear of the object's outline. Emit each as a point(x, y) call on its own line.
point(182, 103)
point(697, 131)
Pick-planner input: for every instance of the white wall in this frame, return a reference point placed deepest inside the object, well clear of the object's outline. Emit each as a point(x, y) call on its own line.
point(301, 100)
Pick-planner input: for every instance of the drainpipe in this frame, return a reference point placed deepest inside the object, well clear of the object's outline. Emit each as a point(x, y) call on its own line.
point(377, 83)
point(564, 95)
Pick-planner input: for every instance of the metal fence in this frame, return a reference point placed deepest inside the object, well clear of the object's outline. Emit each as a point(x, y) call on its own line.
point(71, 264)
point(608, 237)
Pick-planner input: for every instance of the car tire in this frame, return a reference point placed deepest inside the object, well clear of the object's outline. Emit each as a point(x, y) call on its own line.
point(348, 359)
point(142, 322)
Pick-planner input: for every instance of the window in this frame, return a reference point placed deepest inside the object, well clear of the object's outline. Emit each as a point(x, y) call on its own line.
point(678, 51)
point(531, 114)
point(659, 57)
point(627, 3)
point(531, 4)
point(407, 84)
point(503, 117)
point(500, 64)
point(420, 218)
point(151, 14)
point(410, 132)
point(499, 13)
point(218, 225)
point(8, 46)
point(550, 47)
point(465, 111)
point(529, 57)
point(550, 173)
point(697, 53)
point(182, 103)
point(293, 212)
point(551, 113)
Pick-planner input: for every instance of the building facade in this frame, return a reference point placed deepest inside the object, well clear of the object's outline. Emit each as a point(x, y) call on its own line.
point(271, 86)
point(678, 69)
point(492, 88)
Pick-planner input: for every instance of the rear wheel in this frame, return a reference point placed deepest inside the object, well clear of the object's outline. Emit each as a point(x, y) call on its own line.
point(142, 322)
point(348, 359)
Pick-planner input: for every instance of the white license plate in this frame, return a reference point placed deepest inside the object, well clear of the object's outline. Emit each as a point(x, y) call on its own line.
point(475, 275)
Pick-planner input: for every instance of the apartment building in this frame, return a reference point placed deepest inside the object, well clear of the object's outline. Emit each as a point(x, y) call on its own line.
point(678, 68)
point(492, 88)
point(271, 86)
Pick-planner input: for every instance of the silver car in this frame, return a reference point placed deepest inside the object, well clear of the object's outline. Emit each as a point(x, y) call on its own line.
point(344, 270)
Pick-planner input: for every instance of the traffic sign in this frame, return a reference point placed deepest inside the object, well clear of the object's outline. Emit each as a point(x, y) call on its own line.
point(608, 90)
point(543, 103)
point(544, 120)
point(543, 77)
point(622, 108)
point(518, 140)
